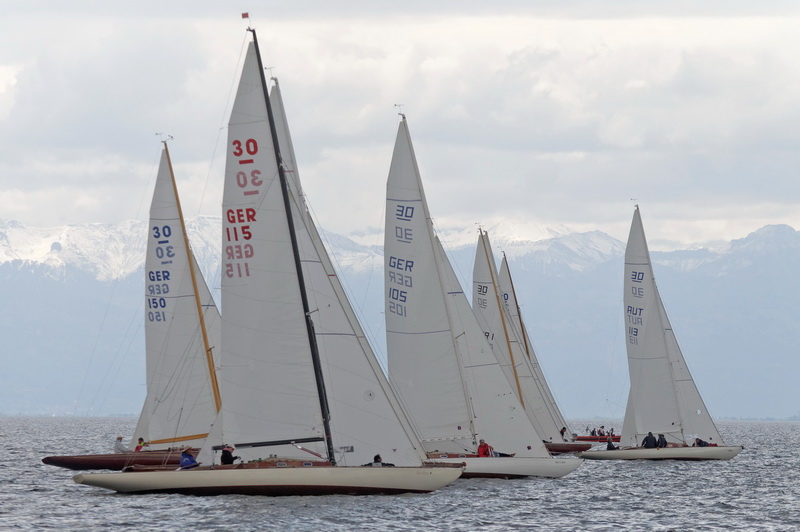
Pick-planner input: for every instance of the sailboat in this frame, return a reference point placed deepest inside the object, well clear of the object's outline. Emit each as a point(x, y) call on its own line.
point(445, 371)
point(182, 329)
point(663, 398)
point(496, 308)
point(305, 400)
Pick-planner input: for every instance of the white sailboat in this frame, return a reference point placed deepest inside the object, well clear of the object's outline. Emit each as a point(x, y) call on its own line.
point(439, 360)
point(494, 302)
point(305, 401)
point(663, 397)
point(182, 330)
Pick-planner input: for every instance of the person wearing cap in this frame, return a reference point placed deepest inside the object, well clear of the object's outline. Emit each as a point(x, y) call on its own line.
point(119, 447)
point(227, 457)
point(187, 460)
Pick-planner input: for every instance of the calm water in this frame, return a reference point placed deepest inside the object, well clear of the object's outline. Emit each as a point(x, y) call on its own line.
point(758, 490)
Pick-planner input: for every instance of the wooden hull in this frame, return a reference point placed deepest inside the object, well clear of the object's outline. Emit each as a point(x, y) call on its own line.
point(278, 481)
point(597, 438)
point(513, 467)
point(115, 462)
point(565, 447)
point(667, 453)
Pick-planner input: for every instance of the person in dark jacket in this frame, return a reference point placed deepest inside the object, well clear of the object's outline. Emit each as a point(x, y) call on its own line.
point(649, 441)
point(662, 441)
point(610, 446)
point(699, 443)
point(377, 461)
point(227, 457)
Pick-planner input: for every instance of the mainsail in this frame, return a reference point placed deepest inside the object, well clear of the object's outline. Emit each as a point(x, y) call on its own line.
point(493, 302)
point(663, 397)
point(274, 394)
point(182, 329)
point(439, 360)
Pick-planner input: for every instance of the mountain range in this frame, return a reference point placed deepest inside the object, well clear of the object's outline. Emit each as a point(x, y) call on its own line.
point(71, 316)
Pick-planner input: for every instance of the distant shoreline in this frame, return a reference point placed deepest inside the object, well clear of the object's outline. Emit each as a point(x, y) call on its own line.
point(575, 422)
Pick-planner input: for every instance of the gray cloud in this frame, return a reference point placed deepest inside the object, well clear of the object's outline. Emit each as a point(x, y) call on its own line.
point(555, 114)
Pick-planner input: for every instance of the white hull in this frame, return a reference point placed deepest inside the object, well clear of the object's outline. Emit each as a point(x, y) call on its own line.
point(278, 481)
point(513, 467)
point(668, 453)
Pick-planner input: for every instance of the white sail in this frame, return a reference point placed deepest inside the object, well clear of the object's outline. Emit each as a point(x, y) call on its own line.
point(180, 404)
point(512, 306)
point(490, 302)
point(272, 377)
point(366, 418)
point(267, 377)
point(663, 397)
point(439, 360)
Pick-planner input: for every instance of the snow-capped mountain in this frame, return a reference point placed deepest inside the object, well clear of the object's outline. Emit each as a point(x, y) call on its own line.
point(106, 251)
point(71, 316)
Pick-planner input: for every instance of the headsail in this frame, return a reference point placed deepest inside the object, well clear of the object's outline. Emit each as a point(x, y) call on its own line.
point(366, 417)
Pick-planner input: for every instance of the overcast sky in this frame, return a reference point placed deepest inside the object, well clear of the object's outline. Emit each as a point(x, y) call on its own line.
point(523, 118)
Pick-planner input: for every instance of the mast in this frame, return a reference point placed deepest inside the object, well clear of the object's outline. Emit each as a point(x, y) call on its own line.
point(312, 337)
point(212, 372)
point(490, 261)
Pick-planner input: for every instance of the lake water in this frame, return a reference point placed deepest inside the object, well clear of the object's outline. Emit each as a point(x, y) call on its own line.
point(757, 490)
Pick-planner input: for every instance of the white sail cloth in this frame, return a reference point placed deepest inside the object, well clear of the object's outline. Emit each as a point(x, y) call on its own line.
point(439, 360)
point(663, 397)
point(180, 405)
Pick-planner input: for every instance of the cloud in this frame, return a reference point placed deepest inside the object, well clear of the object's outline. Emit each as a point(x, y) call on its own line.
point(556, 114)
